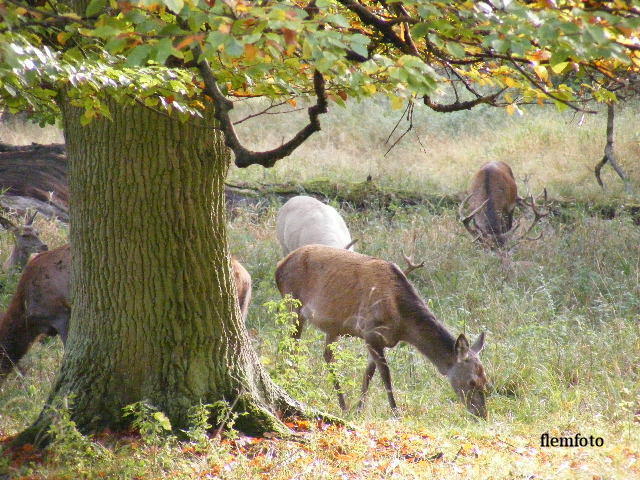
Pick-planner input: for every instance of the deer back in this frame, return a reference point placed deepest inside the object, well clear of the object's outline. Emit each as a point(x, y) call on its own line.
point(304, 220)
point(494, 184)
point(39, 306)
point(347, 293)
point(43, 288)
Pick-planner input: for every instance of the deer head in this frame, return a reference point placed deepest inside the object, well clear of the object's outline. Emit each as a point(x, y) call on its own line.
point(27, 241)
point(467, 375)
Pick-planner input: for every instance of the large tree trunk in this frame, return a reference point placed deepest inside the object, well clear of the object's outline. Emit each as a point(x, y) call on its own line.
point(154, 316)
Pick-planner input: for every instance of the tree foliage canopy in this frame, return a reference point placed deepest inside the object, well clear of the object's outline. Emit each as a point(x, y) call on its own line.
point(166, 54)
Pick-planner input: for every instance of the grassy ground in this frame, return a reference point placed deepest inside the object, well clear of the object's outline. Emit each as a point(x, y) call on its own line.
point(562, 322)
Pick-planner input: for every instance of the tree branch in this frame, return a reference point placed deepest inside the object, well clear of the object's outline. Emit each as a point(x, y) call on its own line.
point(457, 106)
point(243, 156)
point(383, 26)
point(544, 90)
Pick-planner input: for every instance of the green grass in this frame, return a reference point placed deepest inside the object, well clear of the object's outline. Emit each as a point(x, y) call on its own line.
point(562, 322)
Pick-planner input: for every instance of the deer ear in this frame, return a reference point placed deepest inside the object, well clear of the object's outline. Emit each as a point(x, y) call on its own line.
point(461, 348)
point(478, 345)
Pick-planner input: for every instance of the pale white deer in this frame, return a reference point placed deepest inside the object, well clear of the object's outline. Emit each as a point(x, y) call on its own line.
point(304, 220)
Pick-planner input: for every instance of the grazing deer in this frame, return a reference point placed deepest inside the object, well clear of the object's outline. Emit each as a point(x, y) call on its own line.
point(27, 242)
point(346, 293)
point(304, 221)
point(41, 304)
point(492, 199)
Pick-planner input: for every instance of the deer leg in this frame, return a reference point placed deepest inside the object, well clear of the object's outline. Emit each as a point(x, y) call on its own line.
point(368, 375)
point(381, 363)
point(330, 359)
point(61, 325)
point(14, 345)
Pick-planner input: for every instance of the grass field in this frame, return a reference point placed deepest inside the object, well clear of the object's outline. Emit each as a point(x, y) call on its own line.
point(562, 322)
point(442, 150)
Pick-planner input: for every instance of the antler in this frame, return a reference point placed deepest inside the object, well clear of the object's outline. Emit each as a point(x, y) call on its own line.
point(410, 265)
point(466, 220)
point(538, 215)
point(350, 244)
point(28, 219)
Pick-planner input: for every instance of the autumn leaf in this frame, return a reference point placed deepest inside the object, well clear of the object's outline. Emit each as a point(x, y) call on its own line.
point(396, 102)
point(541, 72)
point(290, 36)
point(250, 52)
point(188, 40)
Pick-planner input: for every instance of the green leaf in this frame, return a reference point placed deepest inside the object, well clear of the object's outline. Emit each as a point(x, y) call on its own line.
point(95, 7)
point(234, 48)
point(561, 107)
point(215, 39)
point(116, 45)
point(174, 5)
point(436, 40)
point(138, 55)
point(455, 49)
point(338, 20)
point(106, 32)
point(164, 49)
point(162, 420)
point(559, 67)
point(420, 30)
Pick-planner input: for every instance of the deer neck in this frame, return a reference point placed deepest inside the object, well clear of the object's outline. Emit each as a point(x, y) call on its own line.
point(432, 339)
point(17, 259)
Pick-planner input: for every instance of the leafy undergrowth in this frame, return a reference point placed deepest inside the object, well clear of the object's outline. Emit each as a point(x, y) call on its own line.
point(386, 449)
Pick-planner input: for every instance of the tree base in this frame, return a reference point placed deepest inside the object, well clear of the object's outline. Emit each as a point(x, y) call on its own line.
point(250, 417)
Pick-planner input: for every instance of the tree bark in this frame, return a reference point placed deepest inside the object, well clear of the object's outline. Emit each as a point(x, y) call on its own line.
point(154, 316)
point(609, 154)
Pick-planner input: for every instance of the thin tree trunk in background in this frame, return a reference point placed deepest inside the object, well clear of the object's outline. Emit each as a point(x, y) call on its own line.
point(609, 155)
point(154, 316)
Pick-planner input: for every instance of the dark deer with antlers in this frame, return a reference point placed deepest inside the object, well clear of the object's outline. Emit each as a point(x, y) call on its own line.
point(346, 293)
point(41, 304)
point(492, 199)
point(26, 242)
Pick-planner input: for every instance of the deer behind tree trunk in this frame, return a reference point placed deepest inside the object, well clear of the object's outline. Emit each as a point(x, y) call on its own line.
point(41, 304)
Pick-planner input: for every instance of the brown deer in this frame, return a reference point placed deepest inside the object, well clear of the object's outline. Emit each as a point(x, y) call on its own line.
point(242, 280)
point(492, 199)
point(26, 240)
point(346, 293)
point(41, 304)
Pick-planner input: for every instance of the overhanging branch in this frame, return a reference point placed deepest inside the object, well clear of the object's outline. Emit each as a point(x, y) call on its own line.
point(457, 106)
point(243, 156)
